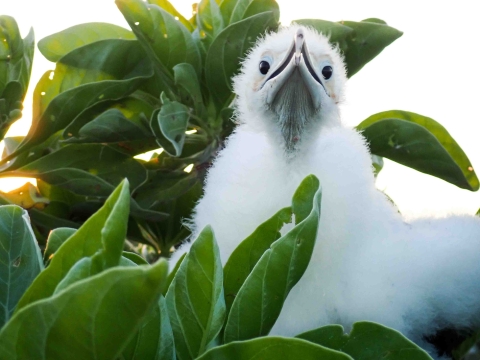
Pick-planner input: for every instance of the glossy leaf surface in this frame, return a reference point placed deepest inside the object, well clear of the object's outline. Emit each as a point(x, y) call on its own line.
point(261, 297)
point(78, 323)
point(195, 301)
point(421, 143)
point(367, 340)
point(106, 230)
point(20, 258)
point(273, 348)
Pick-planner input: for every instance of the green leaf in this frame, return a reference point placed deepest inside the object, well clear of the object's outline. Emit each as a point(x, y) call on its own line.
point(173, 273)
point(368, 40)
point(161, 140)
point(273, 348)
point(261, 297)
point(237, 10)
point(303, 199)
point(359, 42)
point(246, 255)
point(106, 230)
point(195, 300)
point(367, 340)
point(259, 6)
point(168, 7)
point(209, 19)
point(421, 143)
point(186, 79)
point(16, 55)
point(82, 321)
point(124, 120)
point(173, 121)
point(89, 169)
point(55, 239)
point(82, 78)
point(166, 40)
point(134, 257)
point(57, 45)
point(20, 258)
point(82, 269)
point(111, 126)
point(165, 186)
point(226, 51)
point(50, 221)
point(154, 340)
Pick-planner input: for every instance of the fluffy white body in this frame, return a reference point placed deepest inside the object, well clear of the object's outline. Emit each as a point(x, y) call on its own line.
point(368, 264)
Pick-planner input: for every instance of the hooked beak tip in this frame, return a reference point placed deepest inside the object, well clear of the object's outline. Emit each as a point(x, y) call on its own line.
point(299, 41)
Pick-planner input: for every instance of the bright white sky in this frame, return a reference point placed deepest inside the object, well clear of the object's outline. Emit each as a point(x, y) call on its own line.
point(432, 70)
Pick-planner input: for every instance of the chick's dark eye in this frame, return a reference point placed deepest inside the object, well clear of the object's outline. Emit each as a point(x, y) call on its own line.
point(327, 72)
point(264, 66)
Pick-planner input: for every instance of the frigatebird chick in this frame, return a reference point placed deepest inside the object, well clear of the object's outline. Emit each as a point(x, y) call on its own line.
point(368, 263)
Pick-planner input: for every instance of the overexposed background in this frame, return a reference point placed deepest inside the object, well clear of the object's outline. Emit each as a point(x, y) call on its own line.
point(432, 70)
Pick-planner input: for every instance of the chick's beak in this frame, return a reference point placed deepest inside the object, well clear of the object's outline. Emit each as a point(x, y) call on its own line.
point(297, 59)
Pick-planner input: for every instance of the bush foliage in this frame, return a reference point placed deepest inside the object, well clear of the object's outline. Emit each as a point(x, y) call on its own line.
point(165, 85)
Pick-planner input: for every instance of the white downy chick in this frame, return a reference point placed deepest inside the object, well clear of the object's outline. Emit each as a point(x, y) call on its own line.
point(368, 264)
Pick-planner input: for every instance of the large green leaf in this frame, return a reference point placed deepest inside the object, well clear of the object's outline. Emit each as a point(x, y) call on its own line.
point(154, 340)
point(236, 10)
point(105, 230)
point(359, 42)
point(421, 143)
point(166, 40)
point(273, 348)
point(186, 79)
point(55, 46)
point(246, 255)
point(227, 50)
point(368, 40)
point(20, 258)
point(261, 297)
point(83, 322)
point(104, 70)
point(16, 54)
point(195, 301)
point(366, 341)
point(209, 19)
point(168, 7)
point(125, 120)
point(89, 169)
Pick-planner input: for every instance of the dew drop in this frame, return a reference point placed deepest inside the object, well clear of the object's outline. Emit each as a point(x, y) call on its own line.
point(43, 93)
point(470, 168)
point(137, 23)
